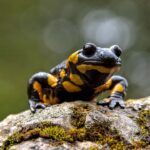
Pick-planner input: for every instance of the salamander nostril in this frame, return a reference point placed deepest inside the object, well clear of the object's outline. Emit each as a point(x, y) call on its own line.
point(117, 50)
point(101, 54)
point(119, 61)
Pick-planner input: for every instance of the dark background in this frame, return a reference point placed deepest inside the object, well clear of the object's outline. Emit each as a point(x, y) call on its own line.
point(36, 35)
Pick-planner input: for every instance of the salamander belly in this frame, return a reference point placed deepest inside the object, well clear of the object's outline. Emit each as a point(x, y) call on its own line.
point(85, 94)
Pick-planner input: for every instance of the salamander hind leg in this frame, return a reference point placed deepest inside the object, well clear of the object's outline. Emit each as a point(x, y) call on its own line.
point(40, 88)
point(118, 87)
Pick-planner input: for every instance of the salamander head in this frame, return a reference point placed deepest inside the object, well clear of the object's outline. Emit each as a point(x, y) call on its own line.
point(93, 55)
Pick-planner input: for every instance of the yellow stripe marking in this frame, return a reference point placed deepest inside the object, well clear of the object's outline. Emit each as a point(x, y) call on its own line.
point(104, 86)
point(50, 100)
point(52, 80)
point(54, 100)
point(76, 79)
point(37, 87)
point(69, 87)
point(118, 88)
point(83, 68)
point(62, 73)
point(72, 58)
point(46, 100)
point(108, 83)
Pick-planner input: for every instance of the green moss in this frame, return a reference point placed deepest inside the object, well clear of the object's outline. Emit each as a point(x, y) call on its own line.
point(31, 131)
point(79, 115)
point(60, 135)
point(19, 137)
point(101, 134)
point(77, 134)
point(142, 121)
point(140, 144)
point(56, 133)
point(93, 148)
point(104, 135)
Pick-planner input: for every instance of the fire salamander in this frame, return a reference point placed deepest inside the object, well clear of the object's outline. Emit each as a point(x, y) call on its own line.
point(85, 74)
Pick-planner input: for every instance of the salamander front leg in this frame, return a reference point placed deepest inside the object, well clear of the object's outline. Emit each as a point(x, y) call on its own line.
point(40, 90)
point(118, 87)
point(35, 105)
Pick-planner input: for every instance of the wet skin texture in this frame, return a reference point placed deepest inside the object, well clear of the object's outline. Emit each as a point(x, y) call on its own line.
point(82, 76)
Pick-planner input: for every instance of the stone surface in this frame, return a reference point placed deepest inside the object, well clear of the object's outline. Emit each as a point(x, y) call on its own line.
point(40, 144)
point(102, 127)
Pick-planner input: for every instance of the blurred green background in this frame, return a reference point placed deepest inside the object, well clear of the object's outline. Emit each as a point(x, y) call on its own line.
point(36, 35)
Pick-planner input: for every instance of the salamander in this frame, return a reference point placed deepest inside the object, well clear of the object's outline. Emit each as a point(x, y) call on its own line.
point(82, 76)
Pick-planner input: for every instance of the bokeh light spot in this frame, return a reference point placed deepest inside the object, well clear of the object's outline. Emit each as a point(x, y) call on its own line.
point(105, 28)
point(60, 35)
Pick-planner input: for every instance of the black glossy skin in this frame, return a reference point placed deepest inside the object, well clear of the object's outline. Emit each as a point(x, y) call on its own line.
point(97, 66)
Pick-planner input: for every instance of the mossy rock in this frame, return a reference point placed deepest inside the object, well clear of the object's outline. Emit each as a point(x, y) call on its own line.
point(79, 125)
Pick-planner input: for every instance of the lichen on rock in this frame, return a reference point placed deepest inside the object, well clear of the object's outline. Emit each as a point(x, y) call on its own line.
point(79, 125)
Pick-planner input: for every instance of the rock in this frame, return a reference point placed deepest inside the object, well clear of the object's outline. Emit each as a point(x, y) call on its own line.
point(79, 125)
point(39, 144)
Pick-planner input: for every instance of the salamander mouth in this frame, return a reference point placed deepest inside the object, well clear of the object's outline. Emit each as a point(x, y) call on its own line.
point(108, 64)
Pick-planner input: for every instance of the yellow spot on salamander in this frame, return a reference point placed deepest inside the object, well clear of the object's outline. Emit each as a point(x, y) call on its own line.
point(72, 58)
point(69, 87)
point(108, 83)
point(37, 87)
point(83, 68)
point(118, 88)
point(76, 79)
point(45, 99)
point(54, 100)
point(52, 80)
point(62, 73)
point(104, 87)
point(50, 100)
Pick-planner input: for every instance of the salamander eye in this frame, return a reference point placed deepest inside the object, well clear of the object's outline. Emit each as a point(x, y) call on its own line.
point(89, 49)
